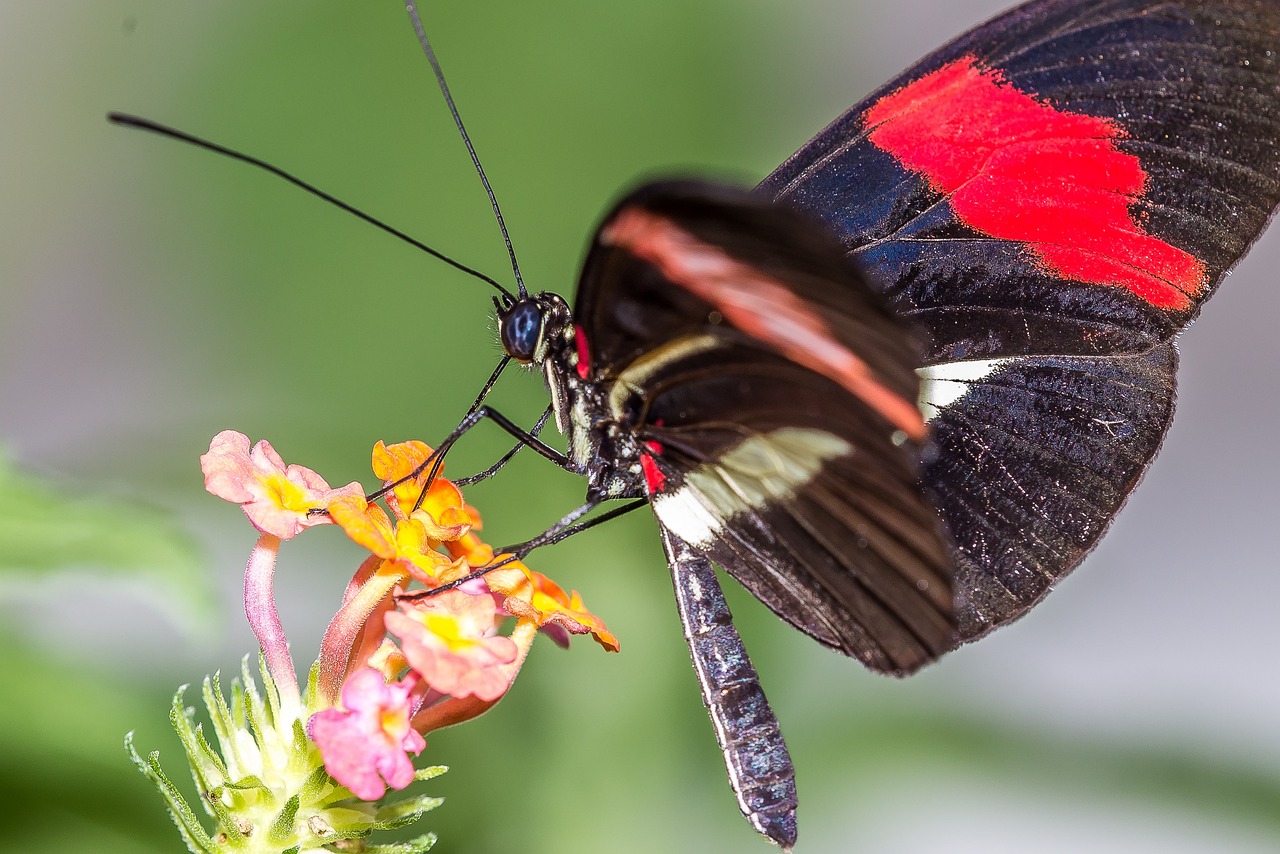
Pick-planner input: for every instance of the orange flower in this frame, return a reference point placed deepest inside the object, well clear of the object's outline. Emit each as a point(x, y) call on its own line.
point(530, 595)
point(404, 542)
point(442, 511)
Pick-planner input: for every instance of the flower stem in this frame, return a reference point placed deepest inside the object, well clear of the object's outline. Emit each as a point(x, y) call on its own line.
point(260, 609)
point(345, 627)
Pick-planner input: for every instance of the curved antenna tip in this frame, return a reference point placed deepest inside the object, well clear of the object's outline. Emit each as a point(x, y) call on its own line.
point(421, 32)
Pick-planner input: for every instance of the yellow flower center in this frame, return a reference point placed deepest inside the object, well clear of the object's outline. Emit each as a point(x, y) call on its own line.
point(288, 494)
point(394, 722)
point(447, 629)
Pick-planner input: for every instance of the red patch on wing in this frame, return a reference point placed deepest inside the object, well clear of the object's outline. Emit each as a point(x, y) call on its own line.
point(584, 355)
point(653, 476)
point(1019, 169)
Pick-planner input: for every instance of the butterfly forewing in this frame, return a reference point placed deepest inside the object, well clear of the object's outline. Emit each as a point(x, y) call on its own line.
point(777, 431)
point(1049, 200)
point(1071, 178)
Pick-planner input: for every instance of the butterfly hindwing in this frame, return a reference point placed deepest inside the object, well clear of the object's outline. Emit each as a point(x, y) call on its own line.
point(1033, 457)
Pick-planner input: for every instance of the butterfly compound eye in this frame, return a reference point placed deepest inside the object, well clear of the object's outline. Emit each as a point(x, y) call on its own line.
point(521, 328)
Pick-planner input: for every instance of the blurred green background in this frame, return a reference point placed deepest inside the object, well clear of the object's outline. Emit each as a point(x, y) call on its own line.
point(153, 295)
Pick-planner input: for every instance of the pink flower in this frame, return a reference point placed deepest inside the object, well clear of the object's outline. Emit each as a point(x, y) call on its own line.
point(366, 743)
point(277, 499)
point(449, 639)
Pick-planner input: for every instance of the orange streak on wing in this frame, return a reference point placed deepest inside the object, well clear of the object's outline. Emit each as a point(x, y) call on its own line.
point(760, 306)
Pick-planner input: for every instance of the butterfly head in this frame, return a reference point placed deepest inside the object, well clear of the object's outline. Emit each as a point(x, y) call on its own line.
point(529, 325)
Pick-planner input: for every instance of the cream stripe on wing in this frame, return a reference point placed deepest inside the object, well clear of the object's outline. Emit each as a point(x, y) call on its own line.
point(762, 469)
point(942, 385)
point(632, 378)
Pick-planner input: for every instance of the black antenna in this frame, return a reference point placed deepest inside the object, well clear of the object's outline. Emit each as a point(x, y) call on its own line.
point(457, 120)
point(172, 133)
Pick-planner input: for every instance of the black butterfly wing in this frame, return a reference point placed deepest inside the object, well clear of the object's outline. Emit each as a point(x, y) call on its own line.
point(1072, 178)
point(798, 490)
point(1050, 199)
point(775, 400)
point(1033, 459)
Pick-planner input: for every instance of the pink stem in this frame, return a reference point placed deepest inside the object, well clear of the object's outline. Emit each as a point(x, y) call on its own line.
point(260, 609)
point(345, 628)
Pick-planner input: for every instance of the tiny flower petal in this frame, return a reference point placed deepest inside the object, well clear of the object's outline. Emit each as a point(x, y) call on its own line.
point(388, 660)
point(366, 524)
point(449, 640)
point(366, 743)
point(455, 710)
point(446, 514)
point(393, 462)
point(404, 542)
point(278, 499)
point(549, 605)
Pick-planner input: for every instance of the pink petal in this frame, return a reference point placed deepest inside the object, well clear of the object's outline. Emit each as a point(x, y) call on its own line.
point(227, 468)
point(358, 750)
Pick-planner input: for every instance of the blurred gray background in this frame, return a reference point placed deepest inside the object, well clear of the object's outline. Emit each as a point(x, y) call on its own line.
point(153, 295)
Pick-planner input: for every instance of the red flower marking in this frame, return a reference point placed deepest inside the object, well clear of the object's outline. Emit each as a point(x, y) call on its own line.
point(584, 355)
point(1017, 168)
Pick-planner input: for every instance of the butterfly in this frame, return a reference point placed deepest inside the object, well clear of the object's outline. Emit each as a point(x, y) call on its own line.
point(901, 387)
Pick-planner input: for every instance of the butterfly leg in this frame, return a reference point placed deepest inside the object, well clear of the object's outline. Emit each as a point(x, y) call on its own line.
point(755, 755)
point(506, 458)
point(564, 529)
point(436, 460)
point(522, 436)
point(556, 533)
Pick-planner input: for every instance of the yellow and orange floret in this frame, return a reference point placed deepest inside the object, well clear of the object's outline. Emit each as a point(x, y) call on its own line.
point(450, 659)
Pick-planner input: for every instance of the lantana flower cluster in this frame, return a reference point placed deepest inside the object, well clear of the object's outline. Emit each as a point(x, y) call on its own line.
point(400, 658)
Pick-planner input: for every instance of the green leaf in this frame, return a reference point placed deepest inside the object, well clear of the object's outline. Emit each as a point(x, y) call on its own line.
point(405, 812)
point(412, 846)
point(283, 826)
point(200, 756)
point(429, 773)
point(47, 529)
point(193, 833)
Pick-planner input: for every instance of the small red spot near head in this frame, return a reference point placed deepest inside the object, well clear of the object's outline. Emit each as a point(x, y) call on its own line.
point(584, 355)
